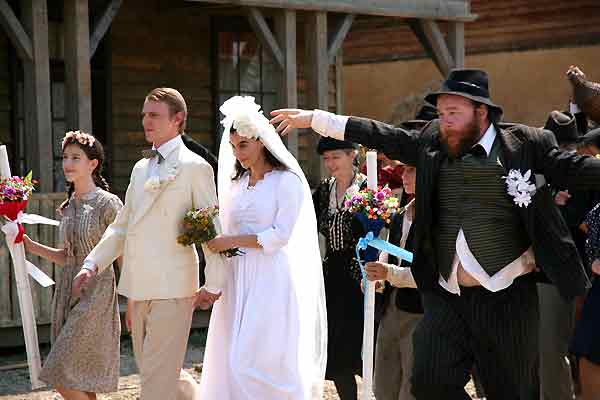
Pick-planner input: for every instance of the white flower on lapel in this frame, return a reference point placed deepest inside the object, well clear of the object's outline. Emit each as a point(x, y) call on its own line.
point(519, 187)
point(152, 184)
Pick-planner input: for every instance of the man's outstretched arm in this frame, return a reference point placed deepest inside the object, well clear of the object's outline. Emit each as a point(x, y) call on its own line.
point(396, 143)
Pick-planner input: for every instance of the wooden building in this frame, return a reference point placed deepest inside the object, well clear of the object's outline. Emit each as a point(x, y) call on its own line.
point(87, 64)
point(525, 45)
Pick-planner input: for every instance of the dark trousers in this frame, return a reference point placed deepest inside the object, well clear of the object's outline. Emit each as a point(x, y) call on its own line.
point(495, 331)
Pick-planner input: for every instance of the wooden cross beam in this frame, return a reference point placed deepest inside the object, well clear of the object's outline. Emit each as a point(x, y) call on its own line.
point(266, 37)
point(338, 35)
point(102, 24)
point(446, 52)
point(15, 32)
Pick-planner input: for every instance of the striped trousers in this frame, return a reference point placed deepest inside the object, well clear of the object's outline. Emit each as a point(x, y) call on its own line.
point(495, 331)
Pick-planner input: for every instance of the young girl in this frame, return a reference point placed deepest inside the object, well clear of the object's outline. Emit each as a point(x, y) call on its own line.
point(84, 358)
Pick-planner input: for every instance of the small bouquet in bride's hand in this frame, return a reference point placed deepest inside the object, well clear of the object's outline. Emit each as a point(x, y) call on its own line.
point(198, 227)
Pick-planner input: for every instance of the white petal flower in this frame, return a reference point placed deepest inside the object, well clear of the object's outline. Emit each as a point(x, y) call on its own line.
point(519, 187)
point(244, 115)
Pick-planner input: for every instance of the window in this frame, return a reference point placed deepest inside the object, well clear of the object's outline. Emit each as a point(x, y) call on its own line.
point(242, 67)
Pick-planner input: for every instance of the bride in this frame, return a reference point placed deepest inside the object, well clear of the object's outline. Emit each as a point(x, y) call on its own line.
point(267, 335)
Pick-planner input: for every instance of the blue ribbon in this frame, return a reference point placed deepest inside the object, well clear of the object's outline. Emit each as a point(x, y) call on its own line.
point(370, 240)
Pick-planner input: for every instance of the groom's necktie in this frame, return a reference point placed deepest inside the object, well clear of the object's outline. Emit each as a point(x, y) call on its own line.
point(151, 153)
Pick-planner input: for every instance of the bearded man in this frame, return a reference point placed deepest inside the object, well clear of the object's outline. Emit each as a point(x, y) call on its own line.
point(485, 223)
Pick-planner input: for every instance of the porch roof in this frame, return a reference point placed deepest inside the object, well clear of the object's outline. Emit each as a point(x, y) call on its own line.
point(450, 10)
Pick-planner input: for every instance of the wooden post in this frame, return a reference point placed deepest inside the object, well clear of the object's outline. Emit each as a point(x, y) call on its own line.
point(317, 81)
point(38, 120)
point(78, 80)
point(285, 28)
point(456, 43)
point(339, 82)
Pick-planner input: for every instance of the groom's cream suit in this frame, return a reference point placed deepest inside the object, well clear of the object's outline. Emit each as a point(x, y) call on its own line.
point(158, 273)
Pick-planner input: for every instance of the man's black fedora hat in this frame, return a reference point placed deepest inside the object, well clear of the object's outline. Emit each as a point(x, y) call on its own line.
point(469, 83)
point(425, 114)
point(564, 127)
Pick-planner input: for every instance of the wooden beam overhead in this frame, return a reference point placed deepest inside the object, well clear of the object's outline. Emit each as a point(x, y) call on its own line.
point(336, 39)
point(452, 10)
point(264, 34)
point(14, 30)
point(102, 24)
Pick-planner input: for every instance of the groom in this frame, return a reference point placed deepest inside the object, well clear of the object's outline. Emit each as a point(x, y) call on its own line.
point(474, 245)
point(158, 274)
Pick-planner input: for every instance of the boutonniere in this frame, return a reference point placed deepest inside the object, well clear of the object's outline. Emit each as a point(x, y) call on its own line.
point(519, 187)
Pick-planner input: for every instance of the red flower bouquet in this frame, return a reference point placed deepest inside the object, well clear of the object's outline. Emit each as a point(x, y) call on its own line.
point(14, 193)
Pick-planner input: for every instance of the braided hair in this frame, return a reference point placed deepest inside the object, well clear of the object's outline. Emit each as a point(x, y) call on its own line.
point(94, 150)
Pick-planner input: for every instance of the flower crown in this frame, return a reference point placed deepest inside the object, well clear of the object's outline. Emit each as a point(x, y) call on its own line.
point(84, 139)
point(244, 115)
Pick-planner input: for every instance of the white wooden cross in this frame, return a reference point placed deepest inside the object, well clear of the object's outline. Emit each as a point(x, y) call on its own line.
point(369, 313)
point(17, 252)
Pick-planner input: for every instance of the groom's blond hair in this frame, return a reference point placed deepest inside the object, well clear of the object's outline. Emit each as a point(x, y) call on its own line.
point(173, 99)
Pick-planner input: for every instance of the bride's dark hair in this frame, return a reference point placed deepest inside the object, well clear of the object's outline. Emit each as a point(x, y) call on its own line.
point(269, 157)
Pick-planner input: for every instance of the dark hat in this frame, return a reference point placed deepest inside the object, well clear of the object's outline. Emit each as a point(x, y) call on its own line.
point(425, 114)
point(328, 144)
point(564, 127)
point(591, 138)
point(469, 83)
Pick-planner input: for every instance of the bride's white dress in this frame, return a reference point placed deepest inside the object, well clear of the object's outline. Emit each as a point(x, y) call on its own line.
point(253, 345)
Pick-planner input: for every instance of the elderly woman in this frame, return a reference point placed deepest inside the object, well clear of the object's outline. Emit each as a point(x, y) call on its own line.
point(342, 272)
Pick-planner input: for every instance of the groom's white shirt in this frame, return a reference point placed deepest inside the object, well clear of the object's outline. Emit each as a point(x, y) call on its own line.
point(145, 231)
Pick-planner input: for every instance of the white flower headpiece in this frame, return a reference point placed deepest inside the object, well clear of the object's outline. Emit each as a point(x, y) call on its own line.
point(244, 115)
point(85, 139)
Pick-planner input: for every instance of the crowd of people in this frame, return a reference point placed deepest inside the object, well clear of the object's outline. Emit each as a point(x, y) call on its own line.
point(503, 220)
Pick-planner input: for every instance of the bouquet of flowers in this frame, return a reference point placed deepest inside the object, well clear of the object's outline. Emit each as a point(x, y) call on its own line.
point(198, 227)
point(14, 193)
point(374, 209)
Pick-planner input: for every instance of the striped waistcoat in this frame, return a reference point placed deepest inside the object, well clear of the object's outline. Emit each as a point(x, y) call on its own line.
point(472, 196)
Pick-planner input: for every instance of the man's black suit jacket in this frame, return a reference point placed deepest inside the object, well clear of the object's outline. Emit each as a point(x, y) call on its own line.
point(202, 151)
point(523, 148)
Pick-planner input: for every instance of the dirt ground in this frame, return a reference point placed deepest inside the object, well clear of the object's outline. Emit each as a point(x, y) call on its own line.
point(14, 383)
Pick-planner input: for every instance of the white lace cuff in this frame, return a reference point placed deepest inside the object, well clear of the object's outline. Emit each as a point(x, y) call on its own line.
point(329, 124)
point(400, 277)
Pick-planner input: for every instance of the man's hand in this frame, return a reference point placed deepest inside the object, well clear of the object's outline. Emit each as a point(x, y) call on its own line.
point(562, 197)
point(376, 271)
point(81, 280)
point(291, 118)
point(574, 70)
point(204, 299)
point(596, 266)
